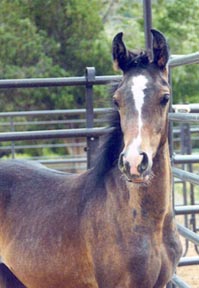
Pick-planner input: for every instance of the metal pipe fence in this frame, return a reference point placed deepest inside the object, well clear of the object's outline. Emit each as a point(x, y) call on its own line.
point(186, 114)
point(10, 119)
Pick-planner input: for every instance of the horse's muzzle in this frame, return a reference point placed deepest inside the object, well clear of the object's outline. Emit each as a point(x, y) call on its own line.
point(136, 171)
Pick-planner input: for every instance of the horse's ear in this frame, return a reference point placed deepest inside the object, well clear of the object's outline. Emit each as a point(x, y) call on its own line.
point(119, 51)
point(160, 49)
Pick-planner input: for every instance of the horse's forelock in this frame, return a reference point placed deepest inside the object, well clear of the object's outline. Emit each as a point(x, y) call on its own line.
point(137, 59)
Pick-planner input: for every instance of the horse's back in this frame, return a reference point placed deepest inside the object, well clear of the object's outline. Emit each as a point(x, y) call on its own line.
point(32, 179)
point(21, 168)
point(31, 187)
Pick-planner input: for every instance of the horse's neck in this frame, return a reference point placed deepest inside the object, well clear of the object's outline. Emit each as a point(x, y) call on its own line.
point(152, 202)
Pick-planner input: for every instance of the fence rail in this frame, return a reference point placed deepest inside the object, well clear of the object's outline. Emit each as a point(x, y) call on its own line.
point(189, 261)
point(187, 233)
point(186, 176)
point(186, 209)
point(180, 60)
point(181, 159)
point(49, 134)
point(179, 282)
point(184, 117)
point(186, 108)
point(55, 82)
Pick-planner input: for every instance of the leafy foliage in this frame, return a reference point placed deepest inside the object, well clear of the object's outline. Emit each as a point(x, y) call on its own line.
point(59, 40)
point(179, 21)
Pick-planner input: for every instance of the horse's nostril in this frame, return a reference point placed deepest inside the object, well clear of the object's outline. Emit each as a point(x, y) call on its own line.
point(123, 164)
point(144, 163)
point(121, 160)
point(138, 166)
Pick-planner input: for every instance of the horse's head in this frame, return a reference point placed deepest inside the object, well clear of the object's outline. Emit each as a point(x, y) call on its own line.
point(142, 100)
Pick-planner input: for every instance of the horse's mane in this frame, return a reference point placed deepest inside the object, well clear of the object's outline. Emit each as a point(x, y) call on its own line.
point(106, 159)
point(111, 146)
point(110, 149)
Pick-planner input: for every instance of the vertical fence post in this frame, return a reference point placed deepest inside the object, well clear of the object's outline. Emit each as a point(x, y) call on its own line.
point(170, 131)
point(91, 141)
point(147, 24)
point(12, 128)
point(187, 149)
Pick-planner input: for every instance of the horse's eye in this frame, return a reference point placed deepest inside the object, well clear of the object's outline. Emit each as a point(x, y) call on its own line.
point(115, 102)
point(164, 100)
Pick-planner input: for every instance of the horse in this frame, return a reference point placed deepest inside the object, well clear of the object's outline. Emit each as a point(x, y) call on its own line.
point(111, 226)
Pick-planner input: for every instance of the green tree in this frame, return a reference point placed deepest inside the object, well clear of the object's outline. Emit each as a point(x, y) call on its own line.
point(49, 39)
point(124, 16)
point(77, 29)
point(179, 21)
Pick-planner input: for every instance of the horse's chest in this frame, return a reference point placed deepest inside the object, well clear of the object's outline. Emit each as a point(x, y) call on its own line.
point(126, 255)
point(131, 260)
point(127, 262)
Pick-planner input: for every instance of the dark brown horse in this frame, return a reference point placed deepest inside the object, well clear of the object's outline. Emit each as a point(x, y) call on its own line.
point(112, 226)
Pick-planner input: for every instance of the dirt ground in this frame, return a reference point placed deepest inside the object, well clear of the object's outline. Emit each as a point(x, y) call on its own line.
point(190, 274)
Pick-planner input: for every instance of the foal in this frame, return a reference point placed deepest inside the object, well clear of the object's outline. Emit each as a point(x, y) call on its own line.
point(112, 226)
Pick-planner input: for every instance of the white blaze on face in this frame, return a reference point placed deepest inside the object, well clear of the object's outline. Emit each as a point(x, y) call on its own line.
point(137, 88)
